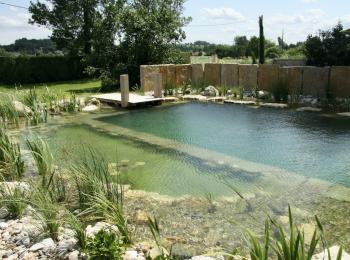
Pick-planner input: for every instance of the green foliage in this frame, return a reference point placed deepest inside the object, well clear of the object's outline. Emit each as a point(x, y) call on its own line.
point(12, 165)
point(273, 52)
point(46, 211)
point(13, 199)
point(8, 113)
point(238, 92)
point(37, 69)
point(280, 91)
point(32, 46)
point(329, 48)
point(261, 40)
point(79, 228)
point(91, 175)
point(104, 245)
point(104, 208)
point(289, 245)
point(43, 157)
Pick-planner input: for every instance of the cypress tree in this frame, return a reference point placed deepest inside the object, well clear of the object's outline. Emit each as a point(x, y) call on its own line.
point(261, 41)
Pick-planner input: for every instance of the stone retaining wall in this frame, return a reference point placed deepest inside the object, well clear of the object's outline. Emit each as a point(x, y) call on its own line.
point(212, 74)
point(340, 82)
point(248, 76)
point(305, 80)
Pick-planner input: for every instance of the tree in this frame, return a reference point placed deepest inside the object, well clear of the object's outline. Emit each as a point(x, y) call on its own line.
point(329, 48)
point(72, 22)
point(253, 47)
point(240, 46)
point(150, 30)
point(261, 40)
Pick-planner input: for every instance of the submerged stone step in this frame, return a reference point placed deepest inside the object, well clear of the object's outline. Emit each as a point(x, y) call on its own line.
point(240, 102)
point(274, 105)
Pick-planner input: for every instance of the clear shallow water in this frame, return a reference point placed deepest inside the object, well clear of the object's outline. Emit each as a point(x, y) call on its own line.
point(305, 143)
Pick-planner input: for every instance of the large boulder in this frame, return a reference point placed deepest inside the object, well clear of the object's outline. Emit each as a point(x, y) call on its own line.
point(91, 108)
point(211, 91)
point(21, 109)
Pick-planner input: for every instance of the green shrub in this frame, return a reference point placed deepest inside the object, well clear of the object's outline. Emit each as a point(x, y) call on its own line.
point(39, 69)
point(105, 245)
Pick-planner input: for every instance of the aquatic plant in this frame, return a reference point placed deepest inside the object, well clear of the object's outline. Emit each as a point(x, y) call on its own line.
point(43, 157)
point(104, 208)
point(91, 175)
point(223, 89)
point(39, 111)
point(46, 211)
point(238, 92)
point(12, 165)
point(104, 245)
point(79, 228)
point(71, 104)
point(13, 199)
point(8, 111)
point(288, 245)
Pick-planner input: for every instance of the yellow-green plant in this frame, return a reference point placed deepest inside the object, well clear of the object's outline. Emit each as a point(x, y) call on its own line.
point(12, 165)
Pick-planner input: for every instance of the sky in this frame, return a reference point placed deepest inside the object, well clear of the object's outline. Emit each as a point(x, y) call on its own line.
point(217, 21)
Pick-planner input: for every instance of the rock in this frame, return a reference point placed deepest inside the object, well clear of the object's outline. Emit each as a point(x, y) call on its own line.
point(344, 114)
point(181, 251)
point(13, 257)
point(141, 217)
point(94, 101)
point(10, 186)
point(131, 255)
point(92, 230)
point(262, 94)
point(74, 255)
point(309, 109)
point(154, 253)
point(211, 91)
point(65, 246)
point(21, 109)
point(201, 257)
point(274, 105)
point(333, 252)
point(90, 108)
point(3, 225)
point(46, 246)
point(4, 213)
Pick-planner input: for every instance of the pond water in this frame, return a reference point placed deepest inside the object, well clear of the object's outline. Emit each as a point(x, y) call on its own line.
point(270, 157)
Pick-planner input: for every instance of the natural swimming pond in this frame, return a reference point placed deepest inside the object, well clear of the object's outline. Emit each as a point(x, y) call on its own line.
point(271, 157)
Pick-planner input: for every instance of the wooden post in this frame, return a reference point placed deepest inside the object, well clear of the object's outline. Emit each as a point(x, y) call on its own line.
point(157, 81)
point(124, 88)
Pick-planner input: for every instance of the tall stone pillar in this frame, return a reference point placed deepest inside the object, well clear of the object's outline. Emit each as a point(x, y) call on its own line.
point(124, 88)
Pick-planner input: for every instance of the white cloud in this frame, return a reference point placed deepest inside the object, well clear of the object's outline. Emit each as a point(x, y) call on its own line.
point(309, 1)
point(15, 25)
point(223, 13)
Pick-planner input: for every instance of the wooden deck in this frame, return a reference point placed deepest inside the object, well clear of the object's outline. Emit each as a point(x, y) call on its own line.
point(134, 99)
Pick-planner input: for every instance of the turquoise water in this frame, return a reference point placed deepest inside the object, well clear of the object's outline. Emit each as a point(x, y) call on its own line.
point(304, 143)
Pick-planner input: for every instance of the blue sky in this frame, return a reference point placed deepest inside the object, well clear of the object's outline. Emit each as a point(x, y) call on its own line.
point(297, 18)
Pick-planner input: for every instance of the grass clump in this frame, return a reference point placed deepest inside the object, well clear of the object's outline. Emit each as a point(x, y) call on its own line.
point(14, 199)
point(43, 157)
point(79, 228)
point(105, 209)
point(287, 245)
point(12, 165)
point(8, 113)
point(92, 176)
point(46, 211)
point(280, 91)
point(105, 245)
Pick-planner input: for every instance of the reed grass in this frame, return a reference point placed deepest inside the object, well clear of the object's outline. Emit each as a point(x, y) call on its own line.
point(12, 165)
point(46, 211)
point(91, 174)
point(79, 228)
point(8, 113)
point(43, 157)
point(13, 199)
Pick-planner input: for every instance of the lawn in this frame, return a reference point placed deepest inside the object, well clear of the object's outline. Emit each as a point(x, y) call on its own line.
point(81, 87)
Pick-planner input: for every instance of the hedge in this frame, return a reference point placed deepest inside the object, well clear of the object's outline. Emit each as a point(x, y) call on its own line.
point(39, 69)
